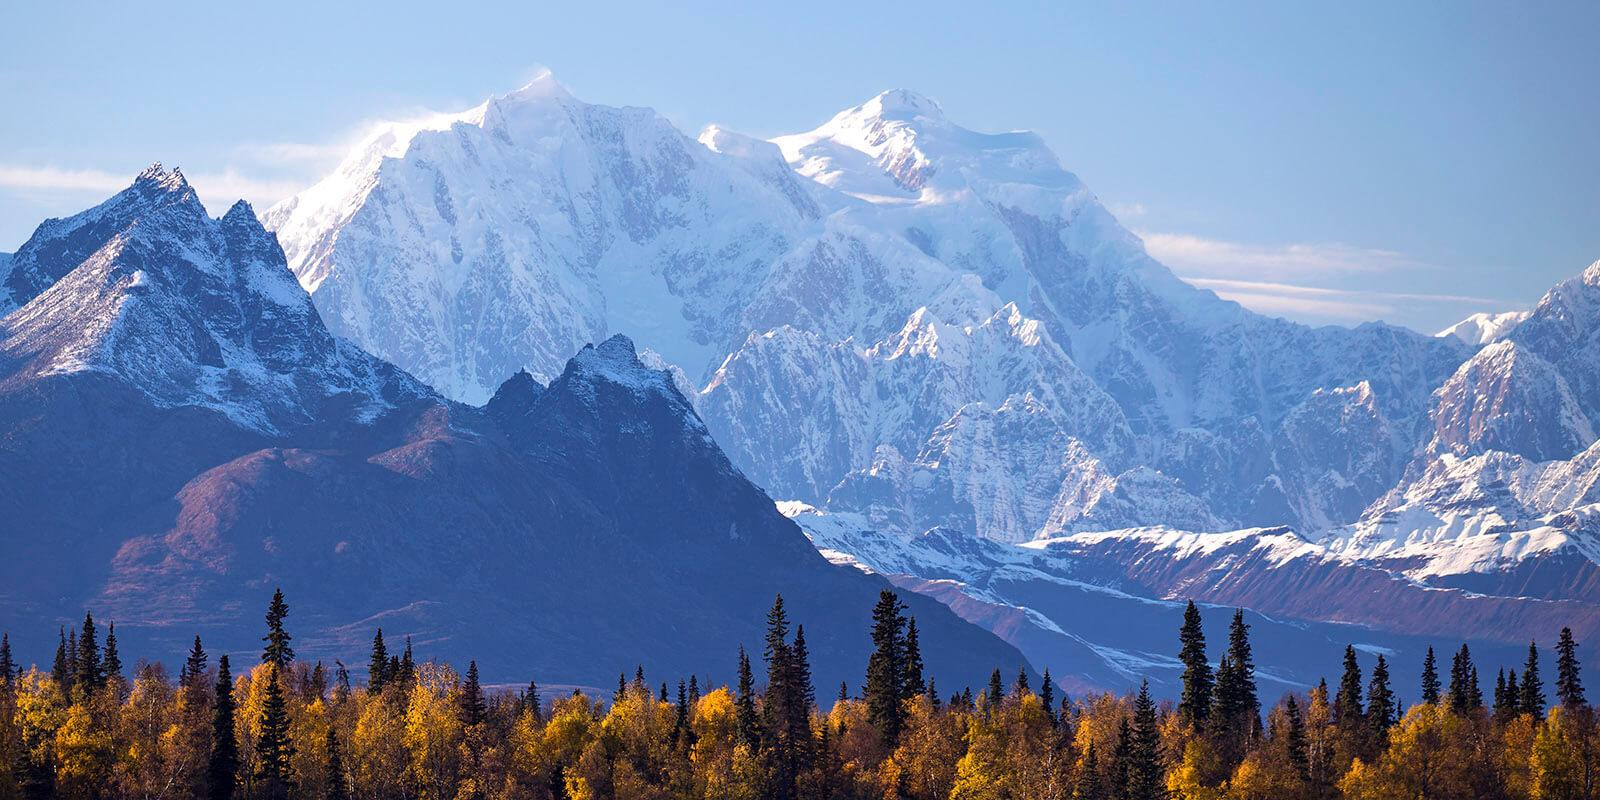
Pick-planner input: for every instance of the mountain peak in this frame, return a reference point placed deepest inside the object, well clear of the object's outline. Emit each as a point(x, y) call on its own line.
point(159, 178)
point(902, 104)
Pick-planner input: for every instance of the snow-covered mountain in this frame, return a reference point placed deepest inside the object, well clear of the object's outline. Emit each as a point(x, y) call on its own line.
point(910, 328)
point(179, 433)
point(889, 314)
point(189, 310)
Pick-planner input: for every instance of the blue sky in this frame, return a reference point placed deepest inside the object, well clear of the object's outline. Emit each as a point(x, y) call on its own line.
point(1412, 162)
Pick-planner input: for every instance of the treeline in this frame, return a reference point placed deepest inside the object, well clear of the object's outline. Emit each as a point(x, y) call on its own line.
point(282, 728)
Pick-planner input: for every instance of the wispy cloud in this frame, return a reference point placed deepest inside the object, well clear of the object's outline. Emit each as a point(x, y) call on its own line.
point(1214, 257)
point(1350, 305)
point(217, 190)
point(291, 153)
point(17, 176)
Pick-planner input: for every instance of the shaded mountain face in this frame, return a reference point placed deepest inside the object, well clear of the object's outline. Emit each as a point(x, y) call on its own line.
point(179, 434)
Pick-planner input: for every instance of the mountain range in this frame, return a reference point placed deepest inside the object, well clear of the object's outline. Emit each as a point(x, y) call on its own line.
point(182, 435)
point(935, 348)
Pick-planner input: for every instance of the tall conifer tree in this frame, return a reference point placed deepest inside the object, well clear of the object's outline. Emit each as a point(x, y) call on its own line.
point(273, 777)
point(222, 773)
point(277, 651)
point(1195, 702)
point(1569, 679)
point(1531, 697)
point(886, 668)
point(1381, 706)
point(1430, 679)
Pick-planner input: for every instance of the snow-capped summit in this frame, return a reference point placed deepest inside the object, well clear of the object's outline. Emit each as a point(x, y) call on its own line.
point(185, 309)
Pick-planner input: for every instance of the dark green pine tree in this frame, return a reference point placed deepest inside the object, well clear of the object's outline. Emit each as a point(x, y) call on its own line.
point(1464, 695)
point(747, 728)
point(622, 688)
point(407, 673)
point(277, 651)
point(1118, 775)
point(886, 668)
point(844, 692)
point(111, 663)
point(378, 665)
point(638, 677)
point(1531, 696)
point(472, 708)
point(338, 787)
point(680, 725)
point(530, 701)
point(1295, 738)
point(913, 683)
point(89, 667)
point(1020, 687)
point(8, 666)
point(61, 671)
point(997, 692)
point(1569, 681)
point(1090, 786)
point(1195, 702)
point(933, 695)
point(663, 697)
point(222, 772)
point(694, 690)
point(1381, 706)
point(1047, 696)
point(801, 661)
point(1244, 666)
point(1507, 699)
point(273, 777)
point(193, 672)
point(1347, 706)
point(1430, 679)
point(1146, 780)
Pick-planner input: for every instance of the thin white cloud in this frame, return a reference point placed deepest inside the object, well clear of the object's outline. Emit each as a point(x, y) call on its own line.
point(1217, 258)
point(1353, 305)
point(1127, 211)
point(17, 176)
point(217, 190)
point(291, 153)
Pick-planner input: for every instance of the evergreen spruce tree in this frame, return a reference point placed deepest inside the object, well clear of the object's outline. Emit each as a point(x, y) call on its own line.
point(407, 673)
point(8, 666)
point(1020, 687)
point(111, 662)
point(530, 701)
point(193, 672)
point(801, 662)
point(1381, 706)
point(1295, 738)
point(886, 668)
point(933, 696)
point(1195, 702)
point(61, 670)
point(663, 697)
point(844, 692)
point(222, 772)
point(273, 777)
point(472, 706)
point(1145, 775)
point(1460, 697)
point(337, 787)
point(1531, 697)
point(694, 690)
point(1513, 696)
point(1347, 707)
point(1474, 694)
point(1244, 666)
point(1047, 696)
point(72, 657)
point(638, 677)
point(1500, 703)
point(680, 725)
point(997, 692)
point(1430, 679)
point(1089, 784)
point(90, 675)
point(1569, 681)
point(746, 729)
point(378, 665)
point(277, 651)
point(1118, 774)
point(913, 683)
point(622, 688)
